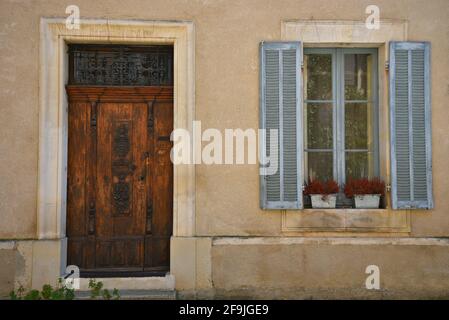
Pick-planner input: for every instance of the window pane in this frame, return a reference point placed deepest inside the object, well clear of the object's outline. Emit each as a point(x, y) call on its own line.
point(358, 126)
point(319, 126)
point(318, 77)
point(359, 165)
point(319, 165)
point(358, 76)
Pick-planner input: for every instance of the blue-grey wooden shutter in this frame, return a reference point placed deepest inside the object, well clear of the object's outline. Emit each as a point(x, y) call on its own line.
point(281, 109)
point(410, 125)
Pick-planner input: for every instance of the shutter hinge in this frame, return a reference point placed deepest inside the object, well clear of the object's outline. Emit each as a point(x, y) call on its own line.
point(302, 64)
point(388, 188)
point(387, 65)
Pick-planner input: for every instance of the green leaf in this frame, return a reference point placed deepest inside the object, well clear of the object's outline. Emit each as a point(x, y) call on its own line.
point(33, 295)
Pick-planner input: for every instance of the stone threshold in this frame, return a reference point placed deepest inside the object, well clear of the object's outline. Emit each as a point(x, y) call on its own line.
point(135, 284)
point(134, 295)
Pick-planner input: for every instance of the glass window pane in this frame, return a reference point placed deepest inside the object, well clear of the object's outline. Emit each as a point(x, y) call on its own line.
point(318, 120)
point(359, 165)
point(319, 165)
point(318, 76)
point(358, 126)
point(358, 68)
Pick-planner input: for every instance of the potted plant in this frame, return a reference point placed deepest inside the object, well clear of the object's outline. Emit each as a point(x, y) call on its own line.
point(366, 192)
point(323, 194)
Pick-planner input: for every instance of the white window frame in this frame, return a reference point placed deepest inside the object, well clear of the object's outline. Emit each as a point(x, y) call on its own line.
point(338, 108)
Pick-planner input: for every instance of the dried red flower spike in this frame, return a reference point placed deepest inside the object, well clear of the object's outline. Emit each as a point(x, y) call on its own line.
point(364, 186)
point(321, 187)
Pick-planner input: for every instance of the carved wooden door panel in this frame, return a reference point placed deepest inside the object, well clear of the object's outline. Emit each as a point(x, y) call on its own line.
point(120, 179)
point(121, 193)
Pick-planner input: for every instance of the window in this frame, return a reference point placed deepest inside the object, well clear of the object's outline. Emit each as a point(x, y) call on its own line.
point(326, 114)
point(340, 114)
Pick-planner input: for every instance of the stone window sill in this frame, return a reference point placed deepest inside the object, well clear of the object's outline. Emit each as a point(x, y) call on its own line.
point(346, 220)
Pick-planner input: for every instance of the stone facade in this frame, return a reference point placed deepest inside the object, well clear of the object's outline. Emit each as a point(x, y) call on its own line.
point(223, 244)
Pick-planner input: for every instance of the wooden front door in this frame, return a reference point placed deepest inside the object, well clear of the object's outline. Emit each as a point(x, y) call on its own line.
point(120, 177)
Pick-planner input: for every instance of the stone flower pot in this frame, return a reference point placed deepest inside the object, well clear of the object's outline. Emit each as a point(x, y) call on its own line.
point(367, 201)
point(323, 201)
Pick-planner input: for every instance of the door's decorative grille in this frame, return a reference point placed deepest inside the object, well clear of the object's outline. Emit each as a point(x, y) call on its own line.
point(121, 168)
point(120, 194)
point(121, 141)
point(121, 65)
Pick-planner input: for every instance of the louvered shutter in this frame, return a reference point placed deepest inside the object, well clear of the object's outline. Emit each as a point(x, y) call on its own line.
point(281, 109)
point(410, 125)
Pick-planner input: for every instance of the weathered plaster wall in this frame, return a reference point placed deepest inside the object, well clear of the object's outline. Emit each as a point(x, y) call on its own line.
point(7, 271)
point(227, 37)
point(15, 265)
point(227, 34)
point(320, 269)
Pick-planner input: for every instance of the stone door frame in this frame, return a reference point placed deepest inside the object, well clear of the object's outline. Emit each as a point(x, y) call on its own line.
point(53, 121)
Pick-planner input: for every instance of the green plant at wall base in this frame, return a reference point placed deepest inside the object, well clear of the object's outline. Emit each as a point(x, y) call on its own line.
point(60, 292)
point(96, 290)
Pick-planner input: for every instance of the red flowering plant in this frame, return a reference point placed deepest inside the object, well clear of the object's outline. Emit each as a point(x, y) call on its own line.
point(321, 187)
point(364, 186)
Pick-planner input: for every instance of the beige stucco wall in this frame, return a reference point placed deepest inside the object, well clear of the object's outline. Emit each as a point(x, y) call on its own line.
point(320, 269)
point(227, 38)
point(227, 35)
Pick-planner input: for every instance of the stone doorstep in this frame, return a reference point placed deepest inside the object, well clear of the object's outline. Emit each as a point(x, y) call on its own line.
point(166, 283)
point(134, 295)
point(134, 288)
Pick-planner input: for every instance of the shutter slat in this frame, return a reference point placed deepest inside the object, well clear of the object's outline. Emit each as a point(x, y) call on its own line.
point(272, 115)
point(411, 173)
point(290, 155)
point(281, 109)
point(402, 125)
point(419, 125)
